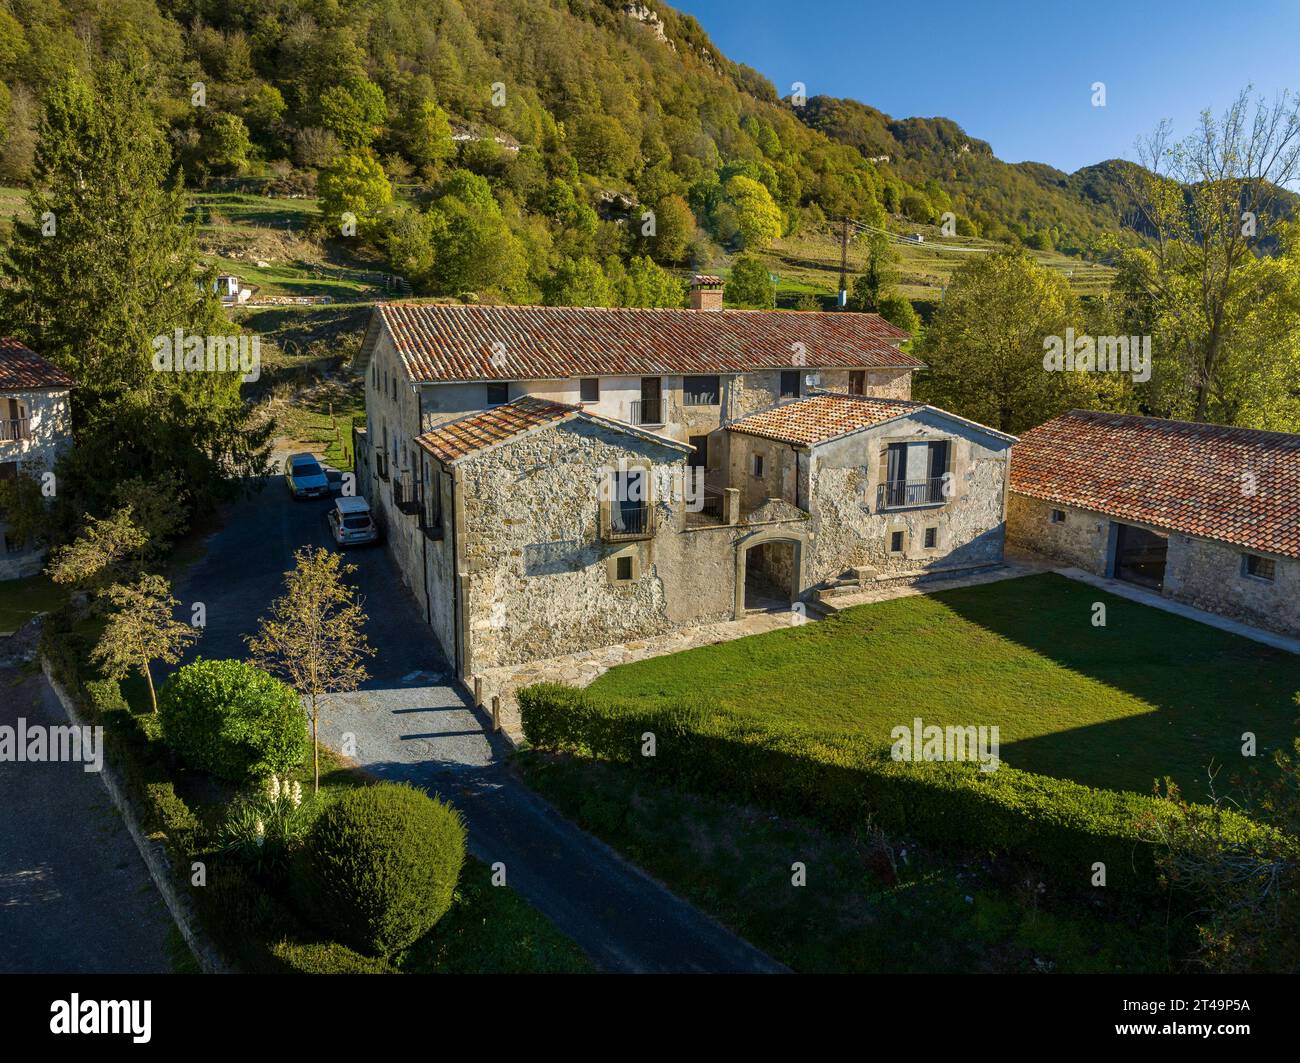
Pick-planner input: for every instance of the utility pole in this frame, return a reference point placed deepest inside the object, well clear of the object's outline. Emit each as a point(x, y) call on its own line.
point(844, 265)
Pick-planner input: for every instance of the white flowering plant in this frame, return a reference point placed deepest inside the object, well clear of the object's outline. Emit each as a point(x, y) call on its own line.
point(264, 827)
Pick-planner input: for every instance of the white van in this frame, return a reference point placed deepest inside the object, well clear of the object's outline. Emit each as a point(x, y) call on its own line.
point(351, 523)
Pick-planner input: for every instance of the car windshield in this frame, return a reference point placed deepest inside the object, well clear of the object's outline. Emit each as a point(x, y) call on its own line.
point(359, 521)
point(306, 468)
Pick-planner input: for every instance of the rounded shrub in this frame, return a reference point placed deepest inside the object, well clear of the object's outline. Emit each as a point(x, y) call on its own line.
point(380, 866)
point(233, 720)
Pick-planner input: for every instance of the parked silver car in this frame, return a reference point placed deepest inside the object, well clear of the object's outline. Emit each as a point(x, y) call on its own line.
point(305, 477)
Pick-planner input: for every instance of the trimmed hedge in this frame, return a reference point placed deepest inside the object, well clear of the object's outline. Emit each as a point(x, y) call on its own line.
point(233, 719)
point(380, 866)
point(842, 780)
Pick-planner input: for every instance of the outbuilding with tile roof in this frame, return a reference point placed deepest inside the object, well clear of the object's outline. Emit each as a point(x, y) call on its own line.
point(1204, 514)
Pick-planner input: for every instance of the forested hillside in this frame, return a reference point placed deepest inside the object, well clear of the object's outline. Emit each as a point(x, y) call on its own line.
point(513, 147)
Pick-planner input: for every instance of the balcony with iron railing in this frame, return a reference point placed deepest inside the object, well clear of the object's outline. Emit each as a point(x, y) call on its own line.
point(647, 411)
point(407, 496)
point(907, 494)
point(16, 429)
point(629, 520)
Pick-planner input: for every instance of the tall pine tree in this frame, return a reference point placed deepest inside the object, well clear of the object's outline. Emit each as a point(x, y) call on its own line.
point(105, 263)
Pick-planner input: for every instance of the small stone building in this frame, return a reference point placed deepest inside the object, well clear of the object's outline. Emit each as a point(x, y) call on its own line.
point(35, 427)
point(892, 487)
point(1204, 514)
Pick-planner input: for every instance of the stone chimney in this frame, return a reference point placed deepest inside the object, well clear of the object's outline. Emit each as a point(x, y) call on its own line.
point(706, 292)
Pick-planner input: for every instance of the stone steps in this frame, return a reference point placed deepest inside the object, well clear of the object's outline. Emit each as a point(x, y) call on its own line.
point(865, 579)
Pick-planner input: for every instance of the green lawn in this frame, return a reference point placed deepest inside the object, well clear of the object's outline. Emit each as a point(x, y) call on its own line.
point(323, 423)
point(1147, 695)
point(22, 599)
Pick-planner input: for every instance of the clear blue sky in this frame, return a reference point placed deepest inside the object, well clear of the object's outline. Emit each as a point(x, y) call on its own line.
point(1019, 74)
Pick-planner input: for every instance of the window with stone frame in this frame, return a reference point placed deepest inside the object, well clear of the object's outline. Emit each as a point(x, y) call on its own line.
point(1260, 568)
point(627, 504)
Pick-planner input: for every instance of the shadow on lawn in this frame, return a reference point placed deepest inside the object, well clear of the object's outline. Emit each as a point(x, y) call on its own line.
point(1205, 687)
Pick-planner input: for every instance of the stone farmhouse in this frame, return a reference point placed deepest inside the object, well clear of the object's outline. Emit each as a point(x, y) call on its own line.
point(557, 479)
point(35, 426)
point(1205, 514)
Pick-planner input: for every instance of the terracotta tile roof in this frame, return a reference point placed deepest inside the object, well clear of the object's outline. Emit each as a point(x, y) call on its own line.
point(457, 342)
point(455, 439)
point(1191, 478)
point(820, 417)
point(22, 369)
point(468, 435)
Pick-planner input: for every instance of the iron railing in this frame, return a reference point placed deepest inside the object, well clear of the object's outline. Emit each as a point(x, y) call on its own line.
point(713, 504)
point(628, 521)
point(647, 411)
point(406, 493)
point(16, 429)
point(898, 494)
point(712, 511)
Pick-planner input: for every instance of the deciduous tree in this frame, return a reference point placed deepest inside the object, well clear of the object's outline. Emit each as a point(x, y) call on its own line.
point(1211, 200)
point(749, 285)
point(107, 550)
point(141, 629)
point(314, 635)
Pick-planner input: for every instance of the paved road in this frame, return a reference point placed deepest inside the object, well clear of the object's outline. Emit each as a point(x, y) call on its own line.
point(75, 895)
point(408, 723)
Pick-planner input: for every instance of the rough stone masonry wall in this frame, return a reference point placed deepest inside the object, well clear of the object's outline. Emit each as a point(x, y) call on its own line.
point(538, 570)
point(780, 470)
point(1082, 540)
point(770, 568)
point(850, 531)
point(51, 429)
point(1208, 575)
point(879, 383)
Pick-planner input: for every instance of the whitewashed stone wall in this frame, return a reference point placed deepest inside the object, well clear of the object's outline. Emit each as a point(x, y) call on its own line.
point(392, 405)
point(50, 434)
point(740, 394)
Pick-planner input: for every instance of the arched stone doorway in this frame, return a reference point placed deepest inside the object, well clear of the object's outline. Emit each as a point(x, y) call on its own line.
point(769, 571)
